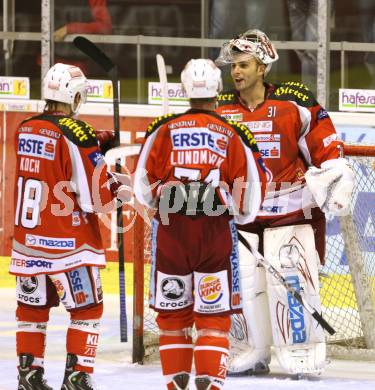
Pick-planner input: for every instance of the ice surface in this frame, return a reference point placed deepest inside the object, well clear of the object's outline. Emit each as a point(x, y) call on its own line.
point(115, 371)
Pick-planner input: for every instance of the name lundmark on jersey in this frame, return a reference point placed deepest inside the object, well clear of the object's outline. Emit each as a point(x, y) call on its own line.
point(196, 157)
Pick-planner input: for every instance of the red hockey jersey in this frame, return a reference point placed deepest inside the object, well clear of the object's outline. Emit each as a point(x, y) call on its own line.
point(60, 185)
point(292, 132)
point(201, 146)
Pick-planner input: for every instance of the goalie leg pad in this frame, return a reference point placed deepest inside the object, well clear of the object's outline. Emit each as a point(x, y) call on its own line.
point(251, 335)
point(298, 340)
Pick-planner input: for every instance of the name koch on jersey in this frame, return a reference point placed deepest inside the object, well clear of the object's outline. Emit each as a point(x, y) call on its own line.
point(34, 145)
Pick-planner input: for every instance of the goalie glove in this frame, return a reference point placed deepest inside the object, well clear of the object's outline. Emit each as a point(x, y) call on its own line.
point(332, 186)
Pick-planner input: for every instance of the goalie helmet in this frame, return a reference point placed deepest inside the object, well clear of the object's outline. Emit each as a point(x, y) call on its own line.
point(201, 78)
point(252, 43)
point(62, 83)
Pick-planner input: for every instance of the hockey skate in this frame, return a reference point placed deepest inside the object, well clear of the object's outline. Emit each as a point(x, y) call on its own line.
point(76, 380)
point(203, 383)
point(247, 361)
point(260, 368)
point(30, 378)
point(181, 381)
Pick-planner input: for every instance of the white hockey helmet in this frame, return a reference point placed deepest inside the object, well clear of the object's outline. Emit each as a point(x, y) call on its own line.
point(201, 78)
point(252, 43)
point(62, 83)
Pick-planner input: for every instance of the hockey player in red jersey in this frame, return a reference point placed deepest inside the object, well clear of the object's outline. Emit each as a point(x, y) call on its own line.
point(294, 135)
point(61, 185)
point(198, 169)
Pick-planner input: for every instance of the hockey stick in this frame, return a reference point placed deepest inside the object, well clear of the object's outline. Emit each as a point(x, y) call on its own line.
point(163, 82)
point(276, 274)
point(100, 58)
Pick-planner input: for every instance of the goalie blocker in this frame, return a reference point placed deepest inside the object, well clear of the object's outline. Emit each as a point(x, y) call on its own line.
point(298, 340)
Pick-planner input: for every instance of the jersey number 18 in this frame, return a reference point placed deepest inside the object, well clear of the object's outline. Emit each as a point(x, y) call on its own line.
point(28, 202)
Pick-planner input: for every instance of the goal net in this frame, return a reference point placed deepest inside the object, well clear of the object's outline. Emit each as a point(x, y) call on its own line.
point(348, 291)
point(347, 279)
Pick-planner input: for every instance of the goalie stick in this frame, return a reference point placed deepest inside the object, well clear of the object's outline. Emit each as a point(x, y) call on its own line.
point(276, 274)
point(101, 59)
point(163, 82)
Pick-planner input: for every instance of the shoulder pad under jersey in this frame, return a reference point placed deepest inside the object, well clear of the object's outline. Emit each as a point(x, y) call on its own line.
point(294, 91)
point(245, 134)
point(30, 118)
point(77, 131)
point(228, 97)
point(157, 122)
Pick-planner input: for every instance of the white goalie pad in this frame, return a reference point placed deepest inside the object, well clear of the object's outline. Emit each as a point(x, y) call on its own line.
point(299, 341)
point(251, 335)
point(332, 186)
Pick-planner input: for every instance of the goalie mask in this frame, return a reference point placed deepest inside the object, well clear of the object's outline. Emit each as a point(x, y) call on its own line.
point(63, 82)
point(201, 78)
point(252, 43)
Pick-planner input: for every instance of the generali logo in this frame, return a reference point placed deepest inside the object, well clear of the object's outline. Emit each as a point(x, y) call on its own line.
point(357, 100)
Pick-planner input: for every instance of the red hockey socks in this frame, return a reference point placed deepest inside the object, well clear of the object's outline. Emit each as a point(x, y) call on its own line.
point(211, 359)
point(176, 355)
point(31, 333)
point(83, 336)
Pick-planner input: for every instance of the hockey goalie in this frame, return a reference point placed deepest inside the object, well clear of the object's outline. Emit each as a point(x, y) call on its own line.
point(307, 177)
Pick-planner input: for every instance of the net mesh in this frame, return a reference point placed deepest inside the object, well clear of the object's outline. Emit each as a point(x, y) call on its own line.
point(350, 248)
point(348, 291)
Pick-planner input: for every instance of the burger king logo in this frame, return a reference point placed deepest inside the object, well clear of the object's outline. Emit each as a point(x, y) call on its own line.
point(210, 289)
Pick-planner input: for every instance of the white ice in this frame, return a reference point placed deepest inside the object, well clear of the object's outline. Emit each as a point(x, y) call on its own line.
point(114, 370)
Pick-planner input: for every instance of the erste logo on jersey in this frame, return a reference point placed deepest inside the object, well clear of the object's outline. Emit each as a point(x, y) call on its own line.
point(198, 138)
point(36, 146)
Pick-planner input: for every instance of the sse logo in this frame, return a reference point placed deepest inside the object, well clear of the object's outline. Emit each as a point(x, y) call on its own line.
point(79, 294)
point(210, 289)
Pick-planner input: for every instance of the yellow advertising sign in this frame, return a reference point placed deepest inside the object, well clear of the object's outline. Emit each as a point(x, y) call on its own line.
point(14, 88)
